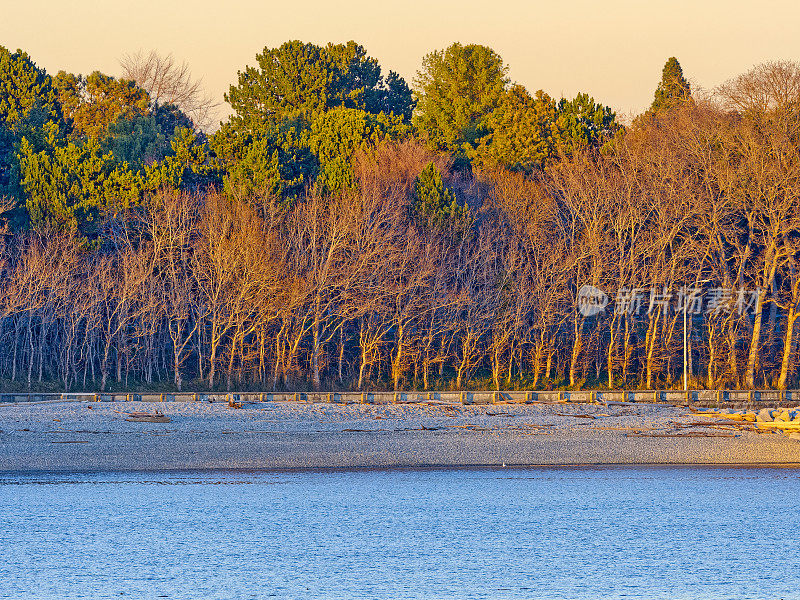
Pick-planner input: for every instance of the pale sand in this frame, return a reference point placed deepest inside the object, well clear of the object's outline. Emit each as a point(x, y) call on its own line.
point(71, 436)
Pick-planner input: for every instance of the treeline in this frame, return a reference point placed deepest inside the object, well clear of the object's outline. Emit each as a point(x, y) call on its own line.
point(343, 231)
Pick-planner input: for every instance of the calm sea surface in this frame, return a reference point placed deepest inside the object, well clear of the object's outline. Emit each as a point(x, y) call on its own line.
point(587, 533)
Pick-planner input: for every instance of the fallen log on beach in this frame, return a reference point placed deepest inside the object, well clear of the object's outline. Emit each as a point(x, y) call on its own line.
point(793, 425)
point(680, 434)
point(577, 416)
point(142, 417)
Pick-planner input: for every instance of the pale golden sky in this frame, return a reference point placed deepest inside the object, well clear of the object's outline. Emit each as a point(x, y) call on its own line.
point(612, 49)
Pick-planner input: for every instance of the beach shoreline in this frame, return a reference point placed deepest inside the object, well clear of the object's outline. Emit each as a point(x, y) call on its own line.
point(81, 436)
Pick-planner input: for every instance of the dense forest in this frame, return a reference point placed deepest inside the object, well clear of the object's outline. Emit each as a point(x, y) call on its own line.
point(344, 229)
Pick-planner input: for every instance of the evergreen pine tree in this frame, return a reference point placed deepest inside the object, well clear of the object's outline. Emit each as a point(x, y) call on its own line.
point(673, 87)
point(458, 89)
point(435, 203)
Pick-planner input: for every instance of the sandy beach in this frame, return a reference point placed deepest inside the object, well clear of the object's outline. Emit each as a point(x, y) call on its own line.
point(270, 435)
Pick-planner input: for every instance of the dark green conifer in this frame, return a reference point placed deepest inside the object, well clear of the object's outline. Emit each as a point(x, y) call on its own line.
point(673, 88)
point(434, 202)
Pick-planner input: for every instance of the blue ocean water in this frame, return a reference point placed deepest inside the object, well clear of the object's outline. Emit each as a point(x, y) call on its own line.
point(549, 533)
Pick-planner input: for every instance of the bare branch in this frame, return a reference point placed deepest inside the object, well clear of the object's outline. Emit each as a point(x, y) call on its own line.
point(170, 82)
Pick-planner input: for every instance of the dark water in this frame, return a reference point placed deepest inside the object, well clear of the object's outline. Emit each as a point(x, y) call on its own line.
point(583, 533)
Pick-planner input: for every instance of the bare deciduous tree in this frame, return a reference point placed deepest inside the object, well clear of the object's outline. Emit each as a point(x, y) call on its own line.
point(170, 82)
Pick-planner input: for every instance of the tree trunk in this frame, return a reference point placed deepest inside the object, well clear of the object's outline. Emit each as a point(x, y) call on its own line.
point(31, 353)
point(341, 353)
point(610, 352)
point(755, 341)
point(398, 359)
point(650, 344)
point(212, 368)
point(537, 362)
point(627, 352)
point(577, 346)
point(752, 356)
point(178, 376)
point(496, 367)
point(16, 346)
point(788, 346)
point(315, 352)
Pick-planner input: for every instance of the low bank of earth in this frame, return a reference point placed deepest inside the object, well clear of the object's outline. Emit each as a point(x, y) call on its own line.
point(79, 436)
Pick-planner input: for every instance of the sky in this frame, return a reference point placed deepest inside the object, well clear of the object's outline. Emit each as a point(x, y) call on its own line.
point(612, 49)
